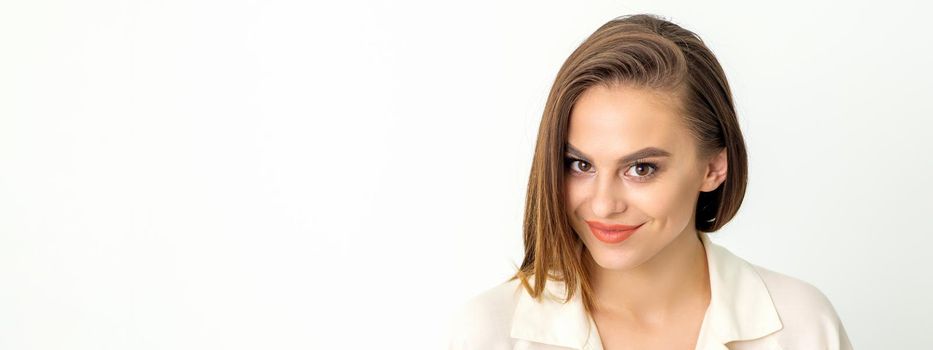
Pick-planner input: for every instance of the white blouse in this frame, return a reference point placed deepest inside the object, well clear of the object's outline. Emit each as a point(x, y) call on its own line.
point(750, 308)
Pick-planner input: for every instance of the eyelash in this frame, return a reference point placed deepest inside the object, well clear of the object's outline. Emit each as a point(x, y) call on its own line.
point(654, 166)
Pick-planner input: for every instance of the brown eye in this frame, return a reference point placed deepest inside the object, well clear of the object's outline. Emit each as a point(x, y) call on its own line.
point(583, 166)
point(643, 170)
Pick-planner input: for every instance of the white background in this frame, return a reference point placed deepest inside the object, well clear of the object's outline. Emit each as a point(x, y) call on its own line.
point(302, 175)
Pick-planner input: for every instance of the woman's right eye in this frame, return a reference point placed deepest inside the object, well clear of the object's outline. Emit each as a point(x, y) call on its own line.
point(583, 165)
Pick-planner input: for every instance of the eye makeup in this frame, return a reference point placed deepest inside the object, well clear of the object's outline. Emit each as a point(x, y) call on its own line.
point(569, 161)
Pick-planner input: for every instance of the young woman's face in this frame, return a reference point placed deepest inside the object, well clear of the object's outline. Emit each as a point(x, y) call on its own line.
point(656, 190)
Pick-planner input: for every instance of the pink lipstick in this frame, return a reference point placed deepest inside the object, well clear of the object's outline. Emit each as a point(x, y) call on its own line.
point(612, 233)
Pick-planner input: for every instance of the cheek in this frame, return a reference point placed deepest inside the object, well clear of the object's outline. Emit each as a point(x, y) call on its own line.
point(574, 193)
point(666, 200)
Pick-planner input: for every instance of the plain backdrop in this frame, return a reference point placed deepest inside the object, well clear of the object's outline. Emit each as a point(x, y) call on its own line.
point(342, 175)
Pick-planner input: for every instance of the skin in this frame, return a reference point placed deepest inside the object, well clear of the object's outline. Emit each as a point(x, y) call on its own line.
point(652, 290)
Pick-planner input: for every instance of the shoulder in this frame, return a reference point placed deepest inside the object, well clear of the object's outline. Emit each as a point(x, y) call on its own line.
point(808, 317)
point(793, 294)
point(484, 320)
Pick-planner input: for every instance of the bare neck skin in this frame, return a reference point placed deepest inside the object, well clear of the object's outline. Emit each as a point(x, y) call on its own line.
point(656, 291)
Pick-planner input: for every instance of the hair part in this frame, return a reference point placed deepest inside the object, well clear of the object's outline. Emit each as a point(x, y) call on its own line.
point(646, 52)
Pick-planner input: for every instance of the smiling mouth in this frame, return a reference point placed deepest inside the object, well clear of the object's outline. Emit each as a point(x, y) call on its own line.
point(612, 236)
point(608, 227)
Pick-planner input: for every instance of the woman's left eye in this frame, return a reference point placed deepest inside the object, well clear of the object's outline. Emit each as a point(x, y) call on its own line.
point(642, 169)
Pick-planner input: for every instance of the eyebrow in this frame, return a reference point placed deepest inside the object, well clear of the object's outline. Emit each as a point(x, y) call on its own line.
point(646, 152)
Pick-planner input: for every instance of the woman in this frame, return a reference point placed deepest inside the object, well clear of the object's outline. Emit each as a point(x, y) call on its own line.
point(639, 157)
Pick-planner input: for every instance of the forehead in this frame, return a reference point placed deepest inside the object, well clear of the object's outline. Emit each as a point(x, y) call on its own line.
point(621, 119)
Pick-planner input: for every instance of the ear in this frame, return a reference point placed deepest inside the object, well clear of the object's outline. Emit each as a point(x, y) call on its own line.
point(715, 172)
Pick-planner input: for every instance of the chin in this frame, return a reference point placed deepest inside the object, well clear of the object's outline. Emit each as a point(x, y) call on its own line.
point(613, 260)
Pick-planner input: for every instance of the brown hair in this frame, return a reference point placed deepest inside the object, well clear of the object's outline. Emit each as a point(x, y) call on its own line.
point(643, 51)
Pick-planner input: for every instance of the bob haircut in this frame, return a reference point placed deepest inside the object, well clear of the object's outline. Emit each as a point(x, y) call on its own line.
point(642, 51)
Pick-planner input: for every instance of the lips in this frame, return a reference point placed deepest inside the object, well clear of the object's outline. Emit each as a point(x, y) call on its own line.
point(612, 233)
point(606, 227)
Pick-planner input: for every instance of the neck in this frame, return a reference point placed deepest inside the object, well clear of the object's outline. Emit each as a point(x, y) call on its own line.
point(657, 290)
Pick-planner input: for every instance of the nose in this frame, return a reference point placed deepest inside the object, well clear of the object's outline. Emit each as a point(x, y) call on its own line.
point(607, 199)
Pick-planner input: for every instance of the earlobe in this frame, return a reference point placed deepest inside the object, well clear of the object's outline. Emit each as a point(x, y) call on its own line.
point(716, 171)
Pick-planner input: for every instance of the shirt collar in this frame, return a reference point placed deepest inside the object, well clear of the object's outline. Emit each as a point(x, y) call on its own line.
point(740, 308)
